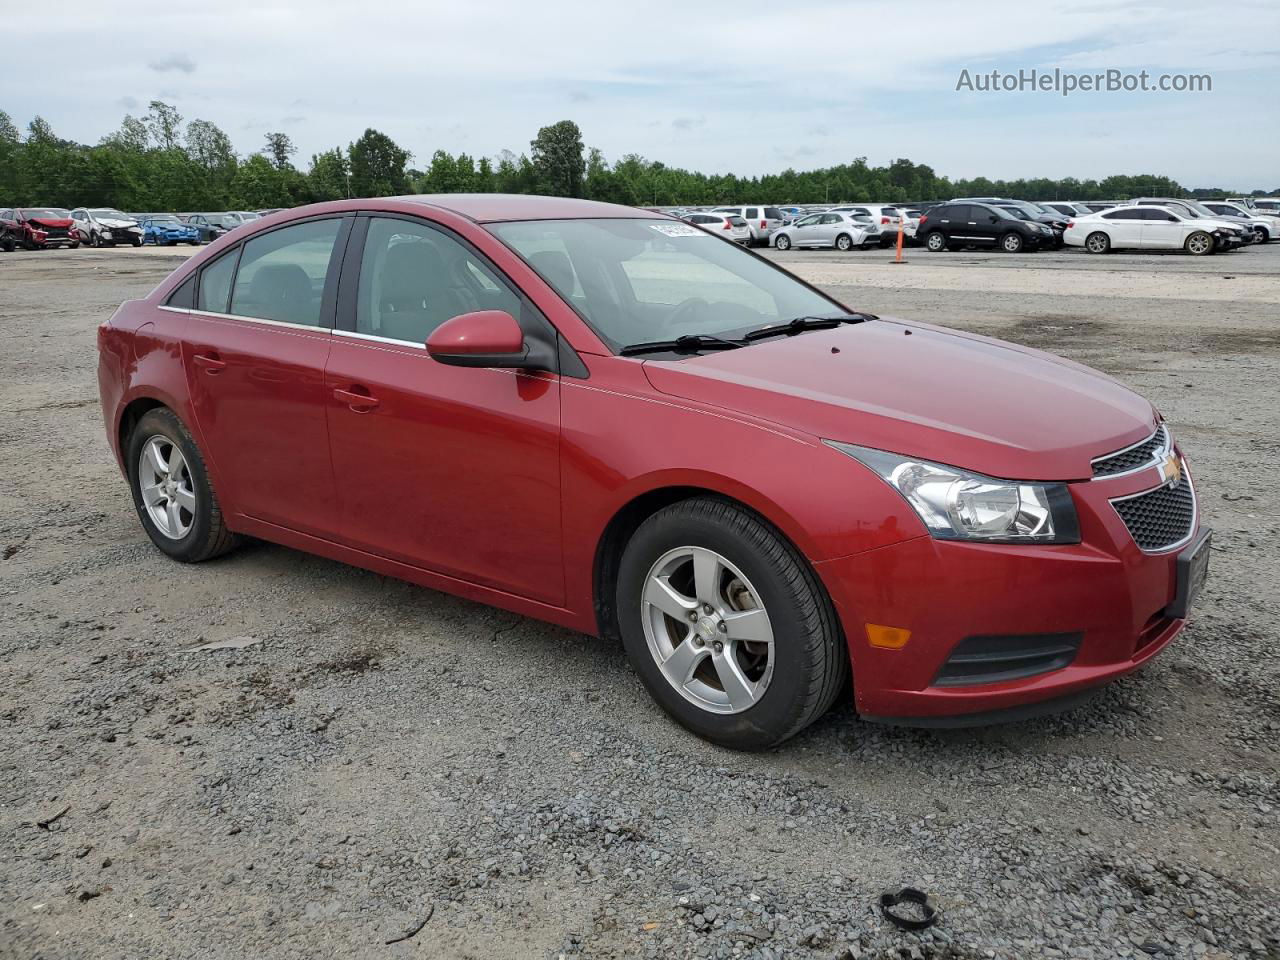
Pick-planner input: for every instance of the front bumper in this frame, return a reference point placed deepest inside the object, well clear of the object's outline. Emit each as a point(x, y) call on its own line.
point(1105, 594)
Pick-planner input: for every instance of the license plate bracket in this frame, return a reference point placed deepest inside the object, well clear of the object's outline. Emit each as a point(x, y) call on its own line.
point(1192, 572)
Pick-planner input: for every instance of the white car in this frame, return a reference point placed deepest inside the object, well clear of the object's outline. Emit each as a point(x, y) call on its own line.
point(1265, 225)
point(1145, 227)
point(761, 220)
point(840, 230)
point(725, 225)
point(884, 216)
point(102, 226)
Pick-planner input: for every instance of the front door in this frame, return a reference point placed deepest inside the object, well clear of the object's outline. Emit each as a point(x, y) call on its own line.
point(453, 469)
point(254, 358)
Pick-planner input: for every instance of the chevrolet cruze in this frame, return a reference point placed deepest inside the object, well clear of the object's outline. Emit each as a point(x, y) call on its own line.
point(623, 424)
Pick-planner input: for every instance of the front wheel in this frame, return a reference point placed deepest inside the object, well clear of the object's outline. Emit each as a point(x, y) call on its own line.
point(844, 242)
point(1011, 243)
point(727, 625)
point(171, 490)
point(136, 241)
point(783, 242)
point(1198, 244)
point(1097, 242)
point(95, 240)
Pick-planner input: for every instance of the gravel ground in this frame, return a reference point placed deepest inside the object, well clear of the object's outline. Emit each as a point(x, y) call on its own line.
point(378, 759)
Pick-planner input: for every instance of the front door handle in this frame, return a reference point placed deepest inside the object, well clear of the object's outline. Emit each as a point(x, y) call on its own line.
point(210, 362)
point(357, 398)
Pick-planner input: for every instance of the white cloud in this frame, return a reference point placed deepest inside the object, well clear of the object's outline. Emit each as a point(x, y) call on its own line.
point(716, 85)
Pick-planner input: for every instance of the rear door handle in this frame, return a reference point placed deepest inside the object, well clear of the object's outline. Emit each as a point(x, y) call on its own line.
point(210, 362)
point(357, 398)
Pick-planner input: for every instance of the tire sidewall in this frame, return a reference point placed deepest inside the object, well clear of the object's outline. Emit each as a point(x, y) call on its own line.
point(783, 243)
point(774, 716)
point(1011, 243)
point(844, 242)
point(938, 245)
point(1199, 233)
point(165, 424)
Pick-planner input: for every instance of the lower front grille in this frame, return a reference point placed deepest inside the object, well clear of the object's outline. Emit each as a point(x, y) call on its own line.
point(993, 659)
point(1161, 518)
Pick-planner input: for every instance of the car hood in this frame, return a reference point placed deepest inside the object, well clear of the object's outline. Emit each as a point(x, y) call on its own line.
point(50, 221)
point(965, 400)
point(113, 222)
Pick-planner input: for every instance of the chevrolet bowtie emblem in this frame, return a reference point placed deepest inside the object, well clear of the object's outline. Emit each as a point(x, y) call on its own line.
point(1171, 469)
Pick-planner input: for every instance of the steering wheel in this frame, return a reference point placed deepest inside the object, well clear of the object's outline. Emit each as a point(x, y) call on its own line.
point(682, 314)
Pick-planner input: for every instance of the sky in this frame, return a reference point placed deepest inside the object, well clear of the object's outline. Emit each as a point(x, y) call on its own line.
point(743, 86)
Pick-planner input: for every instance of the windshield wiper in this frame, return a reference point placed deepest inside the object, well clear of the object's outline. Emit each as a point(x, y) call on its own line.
point(689, 342)
point(799, 324)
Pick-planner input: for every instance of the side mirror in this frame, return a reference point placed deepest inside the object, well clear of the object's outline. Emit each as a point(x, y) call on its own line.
point(488, 338)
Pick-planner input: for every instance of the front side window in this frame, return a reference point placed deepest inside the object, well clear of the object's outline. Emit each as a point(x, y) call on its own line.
point(809, 220)
point(413, 278)
point(637, 280)
point(282, 273)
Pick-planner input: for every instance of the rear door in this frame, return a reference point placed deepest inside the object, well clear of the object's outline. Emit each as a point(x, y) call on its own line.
point(254, 356)
point(1125, 226)
point(453, 469)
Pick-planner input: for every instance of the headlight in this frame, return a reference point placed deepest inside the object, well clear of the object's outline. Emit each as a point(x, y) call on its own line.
point(958, 505)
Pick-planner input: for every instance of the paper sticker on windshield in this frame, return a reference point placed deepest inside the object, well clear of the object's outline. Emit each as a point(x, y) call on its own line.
point(678, 230)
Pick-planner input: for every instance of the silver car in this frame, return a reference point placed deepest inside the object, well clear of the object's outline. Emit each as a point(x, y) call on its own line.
point(725, 225)
point(840, 230)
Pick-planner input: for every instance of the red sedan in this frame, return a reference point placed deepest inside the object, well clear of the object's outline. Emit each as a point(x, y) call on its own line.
point(623, 424)
point(41, 227)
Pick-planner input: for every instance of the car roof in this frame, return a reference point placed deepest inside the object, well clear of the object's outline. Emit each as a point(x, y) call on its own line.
point(496, 207)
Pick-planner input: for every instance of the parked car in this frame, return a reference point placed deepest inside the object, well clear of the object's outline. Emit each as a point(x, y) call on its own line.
point(726, 225)
point(839, 230)
point(1246, 227)
point(1267, 227)
point(105, 227)
point(244, 216)
point(950, 226)
point(1067, 209)
point(1137, 227)
point(761, 220)
point(10, 232)
point(885, 217)
point(167, 230)
point(1270, 205)
point(40, 227)
point(1056, 226)
point(1051, 218)
point(625, 428)
point(211, 225)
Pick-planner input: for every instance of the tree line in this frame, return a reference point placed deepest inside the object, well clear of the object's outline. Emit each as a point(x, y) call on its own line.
point(159, 161)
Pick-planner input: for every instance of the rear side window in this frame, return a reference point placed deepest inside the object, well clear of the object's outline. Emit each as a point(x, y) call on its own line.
point(752, 213)
point(215, 283)
point(1123, 215)
point(955, 212)
point(773, 213)
point(282, 273)
point(185, 296)
point(737, 221)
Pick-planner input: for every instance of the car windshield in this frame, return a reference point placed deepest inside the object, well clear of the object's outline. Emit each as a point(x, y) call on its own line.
point(639, 280)
point(167, 221)
point(108, 214)
point(42, 213)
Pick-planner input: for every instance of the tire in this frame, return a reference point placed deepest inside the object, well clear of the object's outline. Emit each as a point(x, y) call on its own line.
point(1012, 242)
point(1198, 244)
point(136, 241)
point(936, 241)
point(206, 534)
point(1097, 242)
point(844, 242)
point(783, 242)
point(1260, 235)
point(95, 241)
point(8, 245)
point(806, 663)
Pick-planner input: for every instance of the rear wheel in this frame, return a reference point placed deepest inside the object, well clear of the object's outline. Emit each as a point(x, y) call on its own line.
point(844, 242)
point(935, 242)
point(727, 625)
point(1011, 242)
point(171, 490)
point(1198, 244)
point(783, 242)
point(1097, 242)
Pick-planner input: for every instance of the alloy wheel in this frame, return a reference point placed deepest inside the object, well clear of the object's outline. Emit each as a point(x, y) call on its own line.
point(936, 242)
point(1199, 243)
point(164, 480)
point(707, 630)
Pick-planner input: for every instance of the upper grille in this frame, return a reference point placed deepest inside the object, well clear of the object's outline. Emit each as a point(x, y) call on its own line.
point(1160, 518)
point(1131, 458)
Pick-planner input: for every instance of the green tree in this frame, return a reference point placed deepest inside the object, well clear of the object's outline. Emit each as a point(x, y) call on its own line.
point(280, 148)
point(329, 176)
point(557, 158)
point(164, 123)
point(377, 166)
